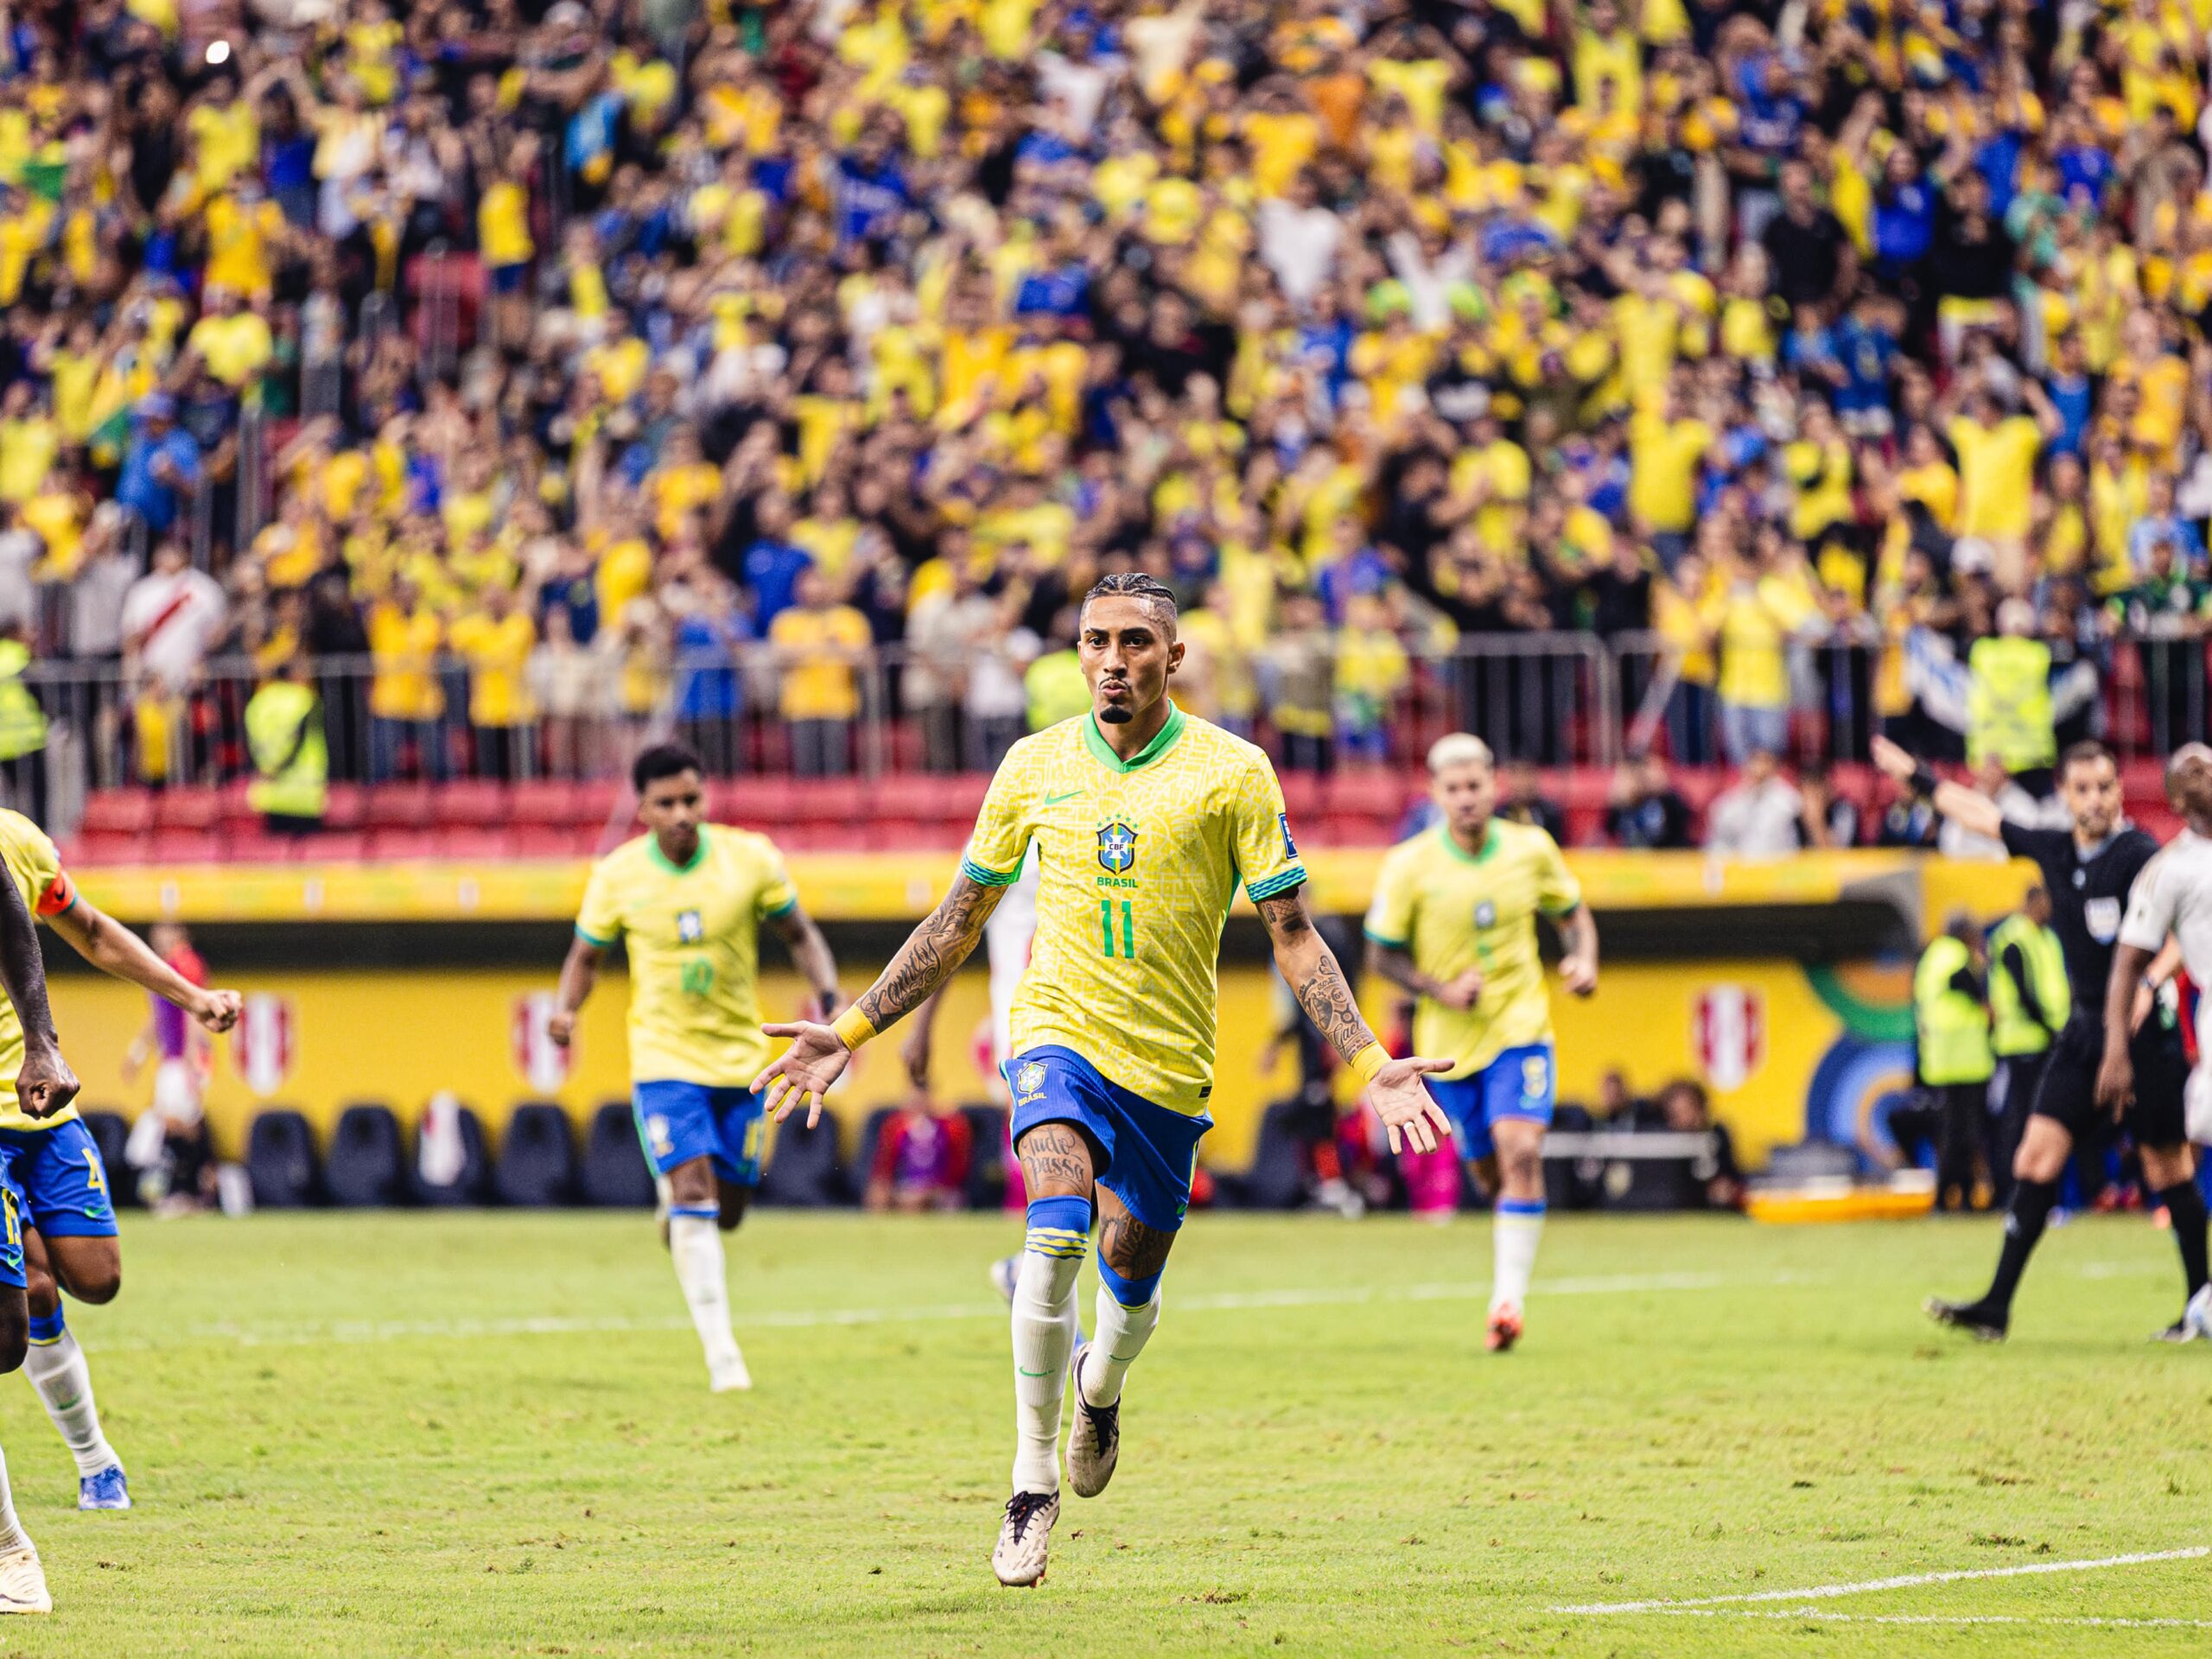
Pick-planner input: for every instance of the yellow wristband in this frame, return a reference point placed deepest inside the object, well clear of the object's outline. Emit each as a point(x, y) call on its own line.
point(1369, 1061)
point(852, 1027)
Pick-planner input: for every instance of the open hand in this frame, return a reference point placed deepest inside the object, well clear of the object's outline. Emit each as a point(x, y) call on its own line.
point(1402, 1100)
point(802, 1072)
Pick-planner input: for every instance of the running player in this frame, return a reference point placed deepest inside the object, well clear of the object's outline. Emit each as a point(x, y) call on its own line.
point(70, 1239)
point(2088, 871)
point(1146, 820)
point(2172, 897)
point(39, 1085)
point(688, 898)
point(1454, 922)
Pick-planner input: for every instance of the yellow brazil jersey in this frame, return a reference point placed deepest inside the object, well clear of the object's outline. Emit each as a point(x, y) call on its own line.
point(1139, 860)
point(695, 950)
point(47, 889)
point(1456, 910)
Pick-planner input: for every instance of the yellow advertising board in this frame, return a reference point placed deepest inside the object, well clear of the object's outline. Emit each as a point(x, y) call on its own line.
point(1778, 1046)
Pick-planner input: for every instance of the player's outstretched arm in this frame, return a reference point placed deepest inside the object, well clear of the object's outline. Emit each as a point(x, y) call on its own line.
point(1969, 809)
point(119, 952)
point(931, 956)
point(45, 1083)
point(1310, 969)
point(579, 973)
point(1578, 929)
point(811, 955)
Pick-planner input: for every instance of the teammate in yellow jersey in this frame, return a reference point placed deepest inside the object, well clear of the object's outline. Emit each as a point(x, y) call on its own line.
point(689, 899)
point(1145, 821)
point(1454, 921)
point(70, 1240)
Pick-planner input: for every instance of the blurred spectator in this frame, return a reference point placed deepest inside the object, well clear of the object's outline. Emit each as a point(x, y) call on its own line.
point(1644, 808)
point(1521, 798)
point(921, 1156)
point(1759, 815)
point(1684, 1108)
point(169, 1145)
point(1830, 820)
point(817, 644)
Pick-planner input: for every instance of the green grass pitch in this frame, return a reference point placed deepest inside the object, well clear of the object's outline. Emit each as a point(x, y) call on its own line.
point(377, 1434)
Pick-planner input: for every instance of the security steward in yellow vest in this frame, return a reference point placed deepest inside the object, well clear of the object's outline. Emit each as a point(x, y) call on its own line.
point(1955, 1063)
point(2029, 1001)
point(291, 756)
point(23, 729)
point(2008, 700)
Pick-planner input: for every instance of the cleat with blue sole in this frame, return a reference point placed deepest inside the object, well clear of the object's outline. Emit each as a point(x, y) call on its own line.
point(108, 1490)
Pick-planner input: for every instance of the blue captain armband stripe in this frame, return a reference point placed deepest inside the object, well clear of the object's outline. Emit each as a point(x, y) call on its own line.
point(1275, 884)
point(1385, 940)
point(591, 939)
point(983, 877)
point(783, 909)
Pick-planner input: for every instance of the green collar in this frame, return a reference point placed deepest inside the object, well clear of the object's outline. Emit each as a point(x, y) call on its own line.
point(1488, 848)
point(698, 853)
point(1101, 751)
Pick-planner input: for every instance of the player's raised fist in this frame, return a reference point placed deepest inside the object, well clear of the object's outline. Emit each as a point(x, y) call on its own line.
point(218, 1010)
point(1579, 975)
point(45, 1083)
point(802, 1072)
point(561, 1028)
point(1461, 992)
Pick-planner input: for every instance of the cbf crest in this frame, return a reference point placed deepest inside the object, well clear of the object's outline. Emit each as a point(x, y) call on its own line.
point(1029, 1079)
point(1117, 847)
point(689, 928)
point(1486, 914)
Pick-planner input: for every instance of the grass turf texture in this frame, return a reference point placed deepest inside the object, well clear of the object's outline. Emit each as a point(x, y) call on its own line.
point(373, 1434)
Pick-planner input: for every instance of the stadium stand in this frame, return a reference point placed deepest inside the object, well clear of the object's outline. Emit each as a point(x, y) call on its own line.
point(537, 1163)
point(804, 1171)
point(281, 1162)
point(613, 1172)
point(471, 1181)
point(365, 1166)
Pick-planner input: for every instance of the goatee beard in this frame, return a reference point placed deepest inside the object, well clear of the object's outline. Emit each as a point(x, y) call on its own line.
point(1114, 714)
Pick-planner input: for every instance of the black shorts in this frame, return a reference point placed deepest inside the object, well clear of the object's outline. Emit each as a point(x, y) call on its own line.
point(2068, 1094)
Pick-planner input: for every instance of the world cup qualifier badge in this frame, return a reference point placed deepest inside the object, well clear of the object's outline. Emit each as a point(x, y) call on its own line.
point(1117, 847)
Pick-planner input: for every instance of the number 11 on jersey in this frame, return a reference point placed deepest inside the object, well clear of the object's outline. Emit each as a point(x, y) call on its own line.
point(1129, 927)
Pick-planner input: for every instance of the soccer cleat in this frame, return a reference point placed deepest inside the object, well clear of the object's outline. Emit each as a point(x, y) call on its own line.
point(2198, 1314)
point(730, 1375)
point(2180, 1330)
point(1973, 1318)
point(1019, 1560)
point(108, 1490)
point(1505, 1328)
point(23, 1582)
point(1094, 1438)
point(1006, 1273)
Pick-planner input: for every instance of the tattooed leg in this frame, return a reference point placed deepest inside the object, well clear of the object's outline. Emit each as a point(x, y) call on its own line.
point(1131, 1256)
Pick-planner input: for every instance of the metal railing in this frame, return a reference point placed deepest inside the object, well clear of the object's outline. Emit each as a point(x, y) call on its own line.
point(1557, 699)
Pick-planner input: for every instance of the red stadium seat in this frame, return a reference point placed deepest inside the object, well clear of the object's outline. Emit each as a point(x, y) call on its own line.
point(825, 800)
point(594, 802)
point(238, 814)
point(474, 802)
point(187, 808)
point(828, 838)
point(106, 846)
point(398, 806)
point(545, 801)
point(475, 846)
point(552, 841)
point(1301, 795)
point(186, 847)
point(1372, 791)
point(118, 812)
point(340, 847)
point(259, 847)
point(348, 802)
point(386, 846)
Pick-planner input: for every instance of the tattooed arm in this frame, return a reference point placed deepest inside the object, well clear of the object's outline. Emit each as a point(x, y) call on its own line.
point(1310, 967)
point(932, 953)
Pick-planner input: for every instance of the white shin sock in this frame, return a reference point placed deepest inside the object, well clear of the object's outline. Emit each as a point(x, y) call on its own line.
point(1043, 1337)
point(1120, 1337)
point(1515, 1231)
point(695, 1242)
point(58, 1371)
point(12, 1535)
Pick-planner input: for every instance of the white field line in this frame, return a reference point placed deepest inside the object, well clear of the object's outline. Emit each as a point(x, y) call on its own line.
point(1829, 1616)
point(374, 1331)
point(1903, 1581)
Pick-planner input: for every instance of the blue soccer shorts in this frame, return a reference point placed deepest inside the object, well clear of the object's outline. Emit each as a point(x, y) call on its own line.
point(1520, 1083)
point(11, 1227)
point(1149, 1152)
point(62, 1181)
point(678, 1121)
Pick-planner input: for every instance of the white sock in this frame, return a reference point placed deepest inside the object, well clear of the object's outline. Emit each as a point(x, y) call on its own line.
point(57, 1370)
point(1043, 1337)
point(12, 1535)
point(1515, 1231)
point(695, 1242)
point(1121, 1337)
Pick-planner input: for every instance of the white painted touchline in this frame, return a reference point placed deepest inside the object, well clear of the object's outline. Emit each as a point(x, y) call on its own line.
point(1829, 1616)
point(373, 1330)
point(1904, 1581)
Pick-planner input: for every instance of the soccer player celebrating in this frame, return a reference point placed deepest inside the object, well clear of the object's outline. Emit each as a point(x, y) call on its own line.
point(1145, 820)
point(688, 898)
point(69, 1235)
point(1454, 922)
point(2172, 897)
point(2088, 871)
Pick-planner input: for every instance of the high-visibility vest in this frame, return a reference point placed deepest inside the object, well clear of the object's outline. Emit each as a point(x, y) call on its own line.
point(22, 722)
point(2014, 1029)
point(1056, 689)
point(283, 732)
point(2008, 703)
point(1953, 1027)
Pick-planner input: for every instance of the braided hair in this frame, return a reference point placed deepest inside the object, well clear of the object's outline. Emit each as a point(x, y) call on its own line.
point(1135, 584)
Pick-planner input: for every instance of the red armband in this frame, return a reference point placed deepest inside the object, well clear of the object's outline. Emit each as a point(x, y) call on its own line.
point(59, 894)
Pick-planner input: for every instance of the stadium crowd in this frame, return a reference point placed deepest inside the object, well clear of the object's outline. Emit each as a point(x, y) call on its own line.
point(558, 368)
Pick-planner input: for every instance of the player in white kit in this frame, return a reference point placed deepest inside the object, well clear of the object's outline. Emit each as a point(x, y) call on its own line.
point(2172, 896)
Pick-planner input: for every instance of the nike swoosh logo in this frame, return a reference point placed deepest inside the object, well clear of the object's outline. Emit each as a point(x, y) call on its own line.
point(1054, 800)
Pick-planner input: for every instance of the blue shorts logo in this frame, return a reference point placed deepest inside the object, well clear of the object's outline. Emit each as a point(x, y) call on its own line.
point(657, 1132)
point(689, 929)
point(1289, 846)
point(1117, 847)
point(1030, 1078)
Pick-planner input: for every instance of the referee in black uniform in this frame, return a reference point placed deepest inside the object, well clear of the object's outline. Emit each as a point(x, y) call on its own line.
point(2088, 872)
